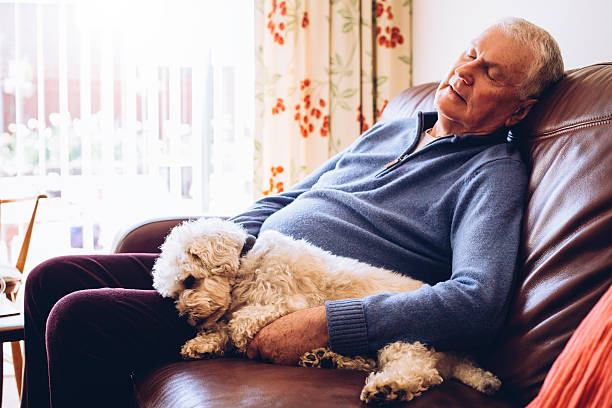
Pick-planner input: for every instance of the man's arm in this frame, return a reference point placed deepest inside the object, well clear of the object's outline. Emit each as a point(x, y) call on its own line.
point(286, 339)
point(466, 310)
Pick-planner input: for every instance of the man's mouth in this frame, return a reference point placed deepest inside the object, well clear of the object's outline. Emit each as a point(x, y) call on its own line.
point(456, 93)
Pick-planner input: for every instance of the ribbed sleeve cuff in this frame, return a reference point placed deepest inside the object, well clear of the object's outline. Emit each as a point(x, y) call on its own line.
point(346, 326)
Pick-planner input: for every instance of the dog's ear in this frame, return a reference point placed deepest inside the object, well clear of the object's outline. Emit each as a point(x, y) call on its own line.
point(216, 254)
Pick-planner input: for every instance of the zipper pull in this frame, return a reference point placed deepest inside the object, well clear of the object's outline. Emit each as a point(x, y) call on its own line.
point(392, 163)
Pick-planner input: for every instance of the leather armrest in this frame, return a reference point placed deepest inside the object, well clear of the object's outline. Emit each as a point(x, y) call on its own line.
point(146, 236)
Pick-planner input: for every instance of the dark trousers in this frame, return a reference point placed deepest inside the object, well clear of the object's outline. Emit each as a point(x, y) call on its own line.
point(90, 321)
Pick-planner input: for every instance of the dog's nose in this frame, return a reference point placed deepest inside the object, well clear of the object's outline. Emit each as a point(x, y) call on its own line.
point(189, 282)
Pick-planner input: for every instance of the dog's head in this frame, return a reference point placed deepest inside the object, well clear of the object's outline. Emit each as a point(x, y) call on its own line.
point(204, 300)
point(198, 266)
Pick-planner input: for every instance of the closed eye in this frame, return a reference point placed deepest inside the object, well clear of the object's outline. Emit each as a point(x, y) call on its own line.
point(470, 53)
point(495, 75)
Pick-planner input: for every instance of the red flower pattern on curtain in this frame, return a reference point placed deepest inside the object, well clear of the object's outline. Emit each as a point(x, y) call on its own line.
point(321, 59)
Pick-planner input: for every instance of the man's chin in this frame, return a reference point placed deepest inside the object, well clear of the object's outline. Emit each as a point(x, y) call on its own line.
point(451, 115)
point(450, 107)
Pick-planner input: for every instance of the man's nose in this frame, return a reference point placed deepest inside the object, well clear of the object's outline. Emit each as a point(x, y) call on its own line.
point(465, 73)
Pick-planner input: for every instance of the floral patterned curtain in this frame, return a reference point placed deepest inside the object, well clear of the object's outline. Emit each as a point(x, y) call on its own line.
point(325, 70)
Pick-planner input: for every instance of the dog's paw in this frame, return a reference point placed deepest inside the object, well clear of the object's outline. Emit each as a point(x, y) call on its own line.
point(488, 383)
point(469, 373)
point(383, 387)
point(319, 358)
point(325, 358)
point(196, 349)
point(239, 335)
point(247, 322)
point(384, 394)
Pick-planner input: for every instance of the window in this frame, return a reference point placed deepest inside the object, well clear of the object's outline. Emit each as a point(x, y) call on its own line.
point(122, 111)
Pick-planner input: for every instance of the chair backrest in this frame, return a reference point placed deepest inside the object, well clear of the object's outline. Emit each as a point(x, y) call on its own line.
point(566, 250)
point(23, 253)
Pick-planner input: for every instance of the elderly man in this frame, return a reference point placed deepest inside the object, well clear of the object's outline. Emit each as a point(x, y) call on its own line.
point(445, 208)
point(438, 197)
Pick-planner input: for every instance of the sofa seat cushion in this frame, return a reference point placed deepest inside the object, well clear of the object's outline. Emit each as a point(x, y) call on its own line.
point(235, 382)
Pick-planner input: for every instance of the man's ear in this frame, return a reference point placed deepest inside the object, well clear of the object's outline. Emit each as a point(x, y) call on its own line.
point(520, 112)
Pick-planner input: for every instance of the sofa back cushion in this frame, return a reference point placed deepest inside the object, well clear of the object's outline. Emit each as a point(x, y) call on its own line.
point(566, 250)
point(567, 239)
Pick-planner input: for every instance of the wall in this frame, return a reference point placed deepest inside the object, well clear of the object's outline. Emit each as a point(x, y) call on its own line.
point(443, 29)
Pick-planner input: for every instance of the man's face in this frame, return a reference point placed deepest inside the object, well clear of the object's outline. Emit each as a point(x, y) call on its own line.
point(481, 92)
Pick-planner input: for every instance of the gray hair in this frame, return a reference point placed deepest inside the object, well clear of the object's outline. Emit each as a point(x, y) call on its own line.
point(548, 66)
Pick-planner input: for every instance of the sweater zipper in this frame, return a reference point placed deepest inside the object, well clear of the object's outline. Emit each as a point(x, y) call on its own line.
point(396, 161)
point(392, 164)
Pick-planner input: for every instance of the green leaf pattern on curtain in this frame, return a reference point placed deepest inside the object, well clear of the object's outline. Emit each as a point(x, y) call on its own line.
point(325, 70)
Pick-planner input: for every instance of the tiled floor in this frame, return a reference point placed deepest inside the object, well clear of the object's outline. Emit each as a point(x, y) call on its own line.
point(9, 389)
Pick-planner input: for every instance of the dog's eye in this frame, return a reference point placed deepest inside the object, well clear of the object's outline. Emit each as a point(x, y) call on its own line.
point(189, 282)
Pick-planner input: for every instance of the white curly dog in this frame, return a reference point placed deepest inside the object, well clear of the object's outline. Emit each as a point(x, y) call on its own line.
point(230, 296)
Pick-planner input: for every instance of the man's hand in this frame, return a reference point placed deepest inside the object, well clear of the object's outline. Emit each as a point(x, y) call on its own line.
point(284, 340)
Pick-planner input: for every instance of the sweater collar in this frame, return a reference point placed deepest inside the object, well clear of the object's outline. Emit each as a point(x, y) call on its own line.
point(428, 119)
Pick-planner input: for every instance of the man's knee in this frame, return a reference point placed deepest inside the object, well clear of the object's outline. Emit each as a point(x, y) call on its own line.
point(47, 275)
point(68, 313)
point(74, 317)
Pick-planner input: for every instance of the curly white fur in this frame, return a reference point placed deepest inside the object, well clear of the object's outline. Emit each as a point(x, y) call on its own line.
point(230, 299)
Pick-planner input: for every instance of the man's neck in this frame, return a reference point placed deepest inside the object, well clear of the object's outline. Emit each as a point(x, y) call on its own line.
point(446, 128)
point(441, 129)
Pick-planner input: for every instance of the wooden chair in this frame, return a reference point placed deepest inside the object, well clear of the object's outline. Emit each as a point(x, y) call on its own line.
point(12, 276)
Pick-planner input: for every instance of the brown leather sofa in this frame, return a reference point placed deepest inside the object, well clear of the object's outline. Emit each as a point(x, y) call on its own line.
point(565, 258)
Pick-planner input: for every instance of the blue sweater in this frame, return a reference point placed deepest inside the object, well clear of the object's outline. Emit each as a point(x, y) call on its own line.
point(448, 214)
